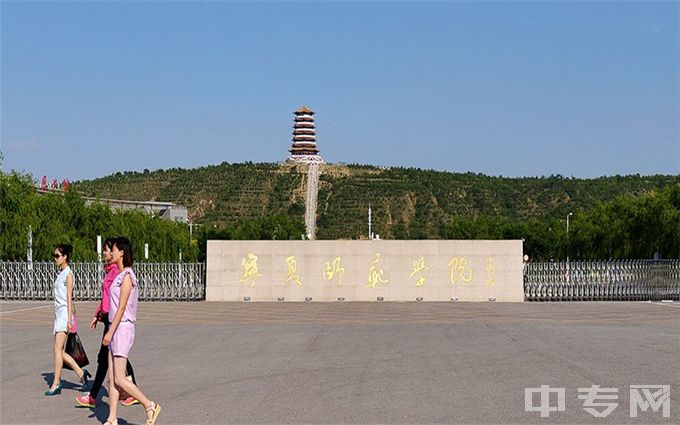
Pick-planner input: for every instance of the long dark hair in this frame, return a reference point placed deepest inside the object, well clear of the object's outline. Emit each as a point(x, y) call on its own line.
point(123, 244)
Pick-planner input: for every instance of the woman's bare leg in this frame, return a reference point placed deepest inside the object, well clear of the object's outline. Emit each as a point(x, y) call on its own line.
point(119, 367)
point(71, 362)
point(59, 341)
point(113, 391)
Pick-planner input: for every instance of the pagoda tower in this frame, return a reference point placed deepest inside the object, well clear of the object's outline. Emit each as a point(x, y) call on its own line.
point(305, 154)
point(304, 148)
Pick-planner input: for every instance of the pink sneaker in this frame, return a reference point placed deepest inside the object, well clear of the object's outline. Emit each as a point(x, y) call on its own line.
point(129, 401)
point(86, 401)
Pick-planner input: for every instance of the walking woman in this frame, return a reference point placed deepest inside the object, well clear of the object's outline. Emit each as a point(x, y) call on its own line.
point(89, 399)
point(63, 319)
point(121, 335)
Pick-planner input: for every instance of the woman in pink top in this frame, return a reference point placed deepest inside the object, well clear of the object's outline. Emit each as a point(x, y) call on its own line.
point(121, 335)
point(89, 399)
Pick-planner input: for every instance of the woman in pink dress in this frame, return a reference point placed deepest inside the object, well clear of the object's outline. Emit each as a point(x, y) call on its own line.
point(89, 399)
point(123, 299)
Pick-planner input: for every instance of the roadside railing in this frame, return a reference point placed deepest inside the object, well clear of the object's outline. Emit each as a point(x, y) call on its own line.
point(626, 280)
point(157, 281)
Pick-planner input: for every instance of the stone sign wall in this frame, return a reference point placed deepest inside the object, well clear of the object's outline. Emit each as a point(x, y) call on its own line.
point(427, 270)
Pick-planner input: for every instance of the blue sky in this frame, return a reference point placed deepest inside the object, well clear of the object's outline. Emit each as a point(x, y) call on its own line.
point(501, 88)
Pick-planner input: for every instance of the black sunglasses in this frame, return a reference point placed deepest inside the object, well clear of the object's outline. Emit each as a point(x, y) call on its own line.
point(57, 256)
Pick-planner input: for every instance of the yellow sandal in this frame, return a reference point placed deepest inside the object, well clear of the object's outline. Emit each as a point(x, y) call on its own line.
point(155, 410)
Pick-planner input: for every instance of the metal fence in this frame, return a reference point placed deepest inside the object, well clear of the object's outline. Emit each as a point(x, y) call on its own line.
point(157, 281)
point(631, 280)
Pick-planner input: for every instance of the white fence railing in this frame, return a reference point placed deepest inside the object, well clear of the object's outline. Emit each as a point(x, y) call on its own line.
point(627, 280)
point(157, 281)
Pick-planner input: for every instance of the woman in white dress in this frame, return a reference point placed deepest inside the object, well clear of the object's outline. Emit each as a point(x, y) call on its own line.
point(63, 319)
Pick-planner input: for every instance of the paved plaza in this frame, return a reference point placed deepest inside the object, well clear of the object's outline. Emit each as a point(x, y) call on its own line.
point(355, 363)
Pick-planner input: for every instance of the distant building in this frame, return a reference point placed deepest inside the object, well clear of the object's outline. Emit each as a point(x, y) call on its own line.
point(304, 148)
point(304, 151)
point(165, 210)
point(176, 213)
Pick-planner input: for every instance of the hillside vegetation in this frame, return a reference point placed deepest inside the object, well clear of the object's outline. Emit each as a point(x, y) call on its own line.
point(423, 204)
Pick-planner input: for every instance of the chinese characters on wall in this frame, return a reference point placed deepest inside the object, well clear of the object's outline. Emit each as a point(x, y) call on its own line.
point(332, 271)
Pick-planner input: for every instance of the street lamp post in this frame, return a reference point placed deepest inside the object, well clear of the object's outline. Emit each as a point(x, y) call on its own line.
point(100, 266)
point(568, 215)
point(568, 271)
point(29, 253)
point(191, 230)
point(370, 223)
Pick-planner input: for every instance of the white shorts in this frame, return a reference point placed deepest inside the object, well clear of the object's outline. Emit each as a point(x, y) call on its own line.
point(60, 319)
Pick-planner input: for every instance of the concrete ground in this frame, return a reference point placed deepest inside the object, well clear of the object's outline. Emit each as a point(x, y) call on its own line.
point(355, 363)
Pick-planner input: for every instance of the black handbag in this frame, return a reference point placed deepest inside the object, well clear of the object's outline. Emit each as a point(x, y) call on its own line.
point(74, 348)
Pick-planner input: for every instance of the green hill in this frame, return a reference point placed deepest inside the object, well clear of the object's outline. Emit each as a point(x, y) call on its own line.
point(406, 202)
